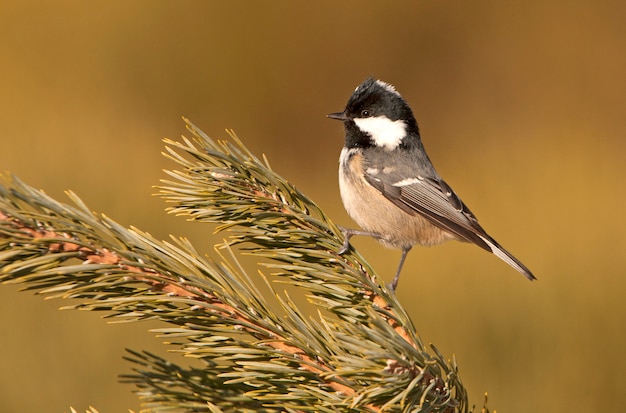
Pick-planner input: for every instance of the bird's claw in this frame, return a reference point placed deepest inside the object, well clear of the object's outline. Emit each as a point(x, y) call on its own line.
point(346, 240)
point(344, 249)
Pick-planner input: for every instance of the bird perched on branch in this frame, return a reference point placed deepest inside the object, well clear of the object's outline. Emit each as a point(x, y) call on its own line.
point(389, 186)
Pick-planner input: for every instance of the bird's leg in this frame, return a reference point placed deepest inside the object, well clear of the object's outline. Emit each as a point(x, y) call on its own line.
point(394, 282)
point(348, 233)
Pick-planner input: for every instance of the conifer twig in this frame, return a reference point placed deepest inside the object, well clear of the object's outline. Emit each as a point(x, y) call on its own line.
point(360, 353)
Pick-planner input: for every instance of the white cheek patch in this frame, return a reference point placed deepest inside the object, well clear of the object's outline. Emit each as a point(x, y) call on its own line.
point(384, 132)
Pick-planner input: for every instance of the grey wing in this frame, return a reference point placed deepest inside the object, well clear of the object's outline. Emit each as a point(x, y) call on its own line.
point(435, 201)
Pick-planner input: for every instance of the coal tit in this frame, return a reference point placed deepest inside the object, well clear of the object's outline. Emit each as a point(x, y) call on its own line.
point(389, 186)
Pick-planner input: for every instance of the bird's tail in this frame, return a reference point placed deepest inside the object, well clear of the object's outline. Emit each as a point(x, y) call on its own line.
point(507, 257)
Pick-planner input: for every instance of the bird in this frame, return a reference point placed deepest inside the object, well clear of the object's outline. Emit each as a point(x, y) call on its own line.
point(388, 184)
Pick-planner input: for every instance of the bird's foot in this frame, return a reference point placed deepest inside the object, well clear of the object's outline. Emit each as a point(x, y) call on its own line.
point(349, 233)
point(346, 240)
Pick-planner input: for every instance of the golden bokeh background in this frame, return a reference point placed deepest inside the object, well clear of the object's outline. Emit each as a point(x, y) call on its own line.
point(522, 107)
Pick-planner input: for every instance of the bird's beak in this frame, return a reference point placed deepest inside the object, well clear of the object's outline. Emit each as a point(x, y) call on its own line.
point(338, 116)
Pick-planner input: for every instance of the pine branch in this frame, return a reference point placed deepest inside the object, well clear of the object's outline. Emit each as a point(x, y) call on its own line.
point(360, 353)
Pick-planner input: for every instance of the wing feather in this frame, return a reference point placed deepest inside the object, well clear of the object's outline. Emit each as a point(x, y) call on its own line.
point(435, 201)
point(432, 198)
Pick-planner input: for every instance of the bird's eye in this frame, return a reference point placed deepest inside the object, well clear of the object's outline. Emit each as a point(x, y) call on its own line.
point(365, 113)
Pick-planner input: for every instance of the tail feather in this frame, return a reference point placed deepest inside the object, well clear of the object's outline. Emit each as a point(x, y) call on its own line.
point(507, 257)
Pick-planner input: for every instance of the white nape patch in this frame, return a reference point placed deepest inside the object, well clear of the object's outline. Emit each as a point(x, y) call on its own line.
point(408, 181)
point(372, 171)
point(388, 87)
point(384, 132)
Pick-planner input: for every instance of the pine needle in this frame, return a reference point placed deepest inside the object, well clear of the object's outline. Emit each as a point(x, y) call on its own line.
point(359, 353)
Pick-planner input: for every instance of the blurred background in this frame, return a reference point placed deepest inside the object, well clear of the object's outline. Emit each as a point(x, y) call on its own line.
point(522, 108)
